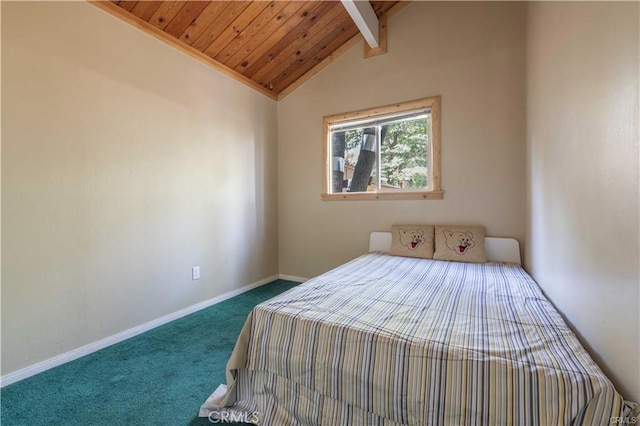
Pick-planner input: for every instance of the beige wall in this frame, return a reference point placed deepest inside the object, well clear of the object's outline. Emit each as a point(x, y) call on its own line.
point(582, 143)
point(473, 55)
point(124, 164)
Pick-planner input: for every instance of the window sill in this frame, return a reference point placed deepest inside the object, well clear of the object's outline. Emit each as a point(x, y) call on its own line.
point(412, 195)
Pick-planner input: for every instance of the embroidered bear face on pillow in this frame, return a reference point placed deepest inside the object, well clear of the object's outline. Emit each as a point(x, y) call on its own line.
point(460, 244)
point(412, 241)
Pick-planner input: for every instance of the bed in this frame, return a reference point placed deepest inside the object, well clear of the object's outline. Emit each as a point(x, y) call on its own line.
point(389, 340)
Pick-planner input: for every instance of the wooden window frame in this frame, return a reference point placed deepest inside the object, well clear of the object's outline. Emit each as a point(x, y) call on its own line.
point(433, 192)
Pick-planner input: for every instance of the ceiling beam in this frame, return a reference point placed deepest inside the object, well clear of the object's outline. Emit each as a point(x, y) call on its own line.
point(365, 19)
point(336, 54)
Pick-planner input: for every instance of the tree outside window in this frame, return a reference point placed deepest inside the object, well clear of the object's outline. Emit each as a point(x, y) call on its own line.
point(388, 152)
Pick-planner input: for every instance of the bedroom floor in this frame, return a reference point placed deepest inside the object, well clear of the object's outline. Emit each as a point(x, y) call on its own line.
point(160, 377)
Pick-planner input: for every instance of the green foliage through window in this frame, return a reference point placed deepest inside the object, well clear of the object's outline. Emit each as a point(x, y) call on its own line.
point(401, 160)
point(403, 155)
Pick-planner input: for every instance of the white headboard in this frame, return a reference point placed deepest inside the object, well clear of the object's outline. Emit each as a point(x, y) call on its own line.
point(498, 249)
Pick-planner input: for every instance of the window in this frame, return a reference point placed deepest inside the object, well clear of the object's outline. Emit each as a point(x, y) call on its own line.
point(391, 152)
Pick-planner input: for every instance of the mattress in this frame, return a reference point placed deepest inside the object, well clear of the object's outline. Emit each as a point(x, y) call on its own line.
point(387, 340)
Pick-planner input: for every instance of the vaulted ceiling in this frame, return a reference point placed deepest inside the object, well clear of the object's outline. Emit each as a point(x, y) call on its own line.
point(272, 46)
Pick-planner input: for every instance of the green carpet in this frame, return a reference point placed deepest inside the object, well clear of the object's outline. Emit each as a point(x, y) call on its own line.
point(160, 377)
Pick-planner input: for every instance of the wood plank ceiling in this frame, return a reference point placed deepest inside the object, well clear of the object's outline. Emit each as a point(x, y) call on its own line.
point(273, 44)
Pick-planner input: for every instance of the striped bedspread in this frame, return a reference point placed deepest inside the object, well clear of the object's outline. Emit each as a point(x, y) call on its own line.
point(386, 340)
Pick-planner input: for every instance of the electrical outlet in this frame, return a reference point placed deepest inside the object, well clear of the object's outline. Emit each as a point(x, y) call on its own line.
point(195, 273)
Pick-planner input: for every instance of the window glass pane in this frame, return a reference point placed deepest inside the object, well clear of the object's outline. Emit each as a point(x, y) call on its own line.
point(347, 147)
point(404, 155)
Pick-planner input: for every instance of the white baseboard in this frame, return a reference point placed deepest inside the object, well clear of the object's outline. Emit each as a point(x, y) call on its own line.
point(47, 364)
point(292, 278)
